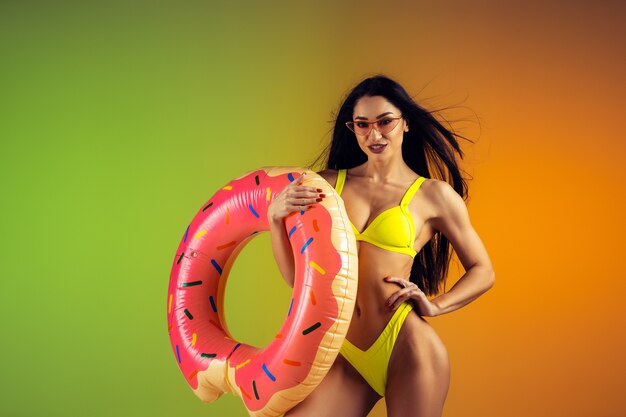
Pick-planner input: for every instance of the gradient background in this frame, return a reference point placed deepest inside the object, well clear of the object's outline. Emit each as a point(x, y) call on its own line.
point(118, 120)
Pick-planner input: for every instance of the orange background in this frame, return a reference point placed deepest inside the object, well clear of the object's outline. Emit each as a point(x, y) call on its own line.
point(548, 200)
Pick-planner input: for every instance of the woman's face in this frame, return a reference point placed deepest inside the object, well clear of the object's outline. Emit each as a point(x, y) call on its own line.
point(374, 143)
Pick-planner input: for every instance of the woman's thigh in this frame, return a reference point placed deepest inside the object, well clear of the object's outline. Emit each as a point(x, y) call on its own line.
point(419, 372)
point(343, 392)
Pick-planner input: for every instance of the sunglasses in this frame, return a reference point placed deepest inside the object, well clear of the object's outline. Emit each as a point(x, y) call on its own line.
point(363, 128)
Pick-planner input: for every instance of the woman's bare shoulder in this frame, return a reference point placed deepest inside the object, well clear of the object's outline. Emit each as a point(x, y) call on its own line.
point(431, 197)
point(440, 190)
point(442, 197)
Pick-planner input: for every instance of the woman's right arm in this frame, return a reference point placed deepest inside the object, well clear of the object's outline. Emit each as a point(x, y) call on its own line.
point(294, 197)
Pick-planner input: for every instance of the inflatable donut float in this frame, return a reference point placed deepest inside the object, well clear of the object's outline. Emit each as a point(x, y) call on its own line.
point(273, 379)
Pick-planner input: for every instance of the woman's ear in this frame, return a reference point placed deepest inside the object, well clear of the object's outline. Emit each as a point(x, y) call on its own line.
point(406, 126)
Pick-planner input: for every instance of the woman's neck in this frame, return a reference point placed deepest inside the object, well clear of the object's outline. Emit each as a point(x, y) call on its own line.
point(384, 171)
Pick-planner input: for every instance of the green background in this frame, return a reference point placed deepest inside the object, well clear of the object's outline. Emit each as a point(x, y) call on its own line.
point(118, 121)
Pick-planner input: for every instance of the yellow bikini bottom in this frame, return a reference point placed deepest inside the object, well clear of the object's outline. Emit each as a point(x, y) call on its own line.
point(372, 364)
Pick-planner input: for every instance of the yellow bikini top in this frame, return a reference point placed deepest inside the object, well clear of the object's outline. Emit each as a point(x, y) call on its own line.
point(393, 229)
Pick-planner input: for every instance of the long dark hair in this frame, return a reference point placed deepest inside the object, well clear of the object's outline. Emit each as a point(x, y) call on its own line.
point(428, 147)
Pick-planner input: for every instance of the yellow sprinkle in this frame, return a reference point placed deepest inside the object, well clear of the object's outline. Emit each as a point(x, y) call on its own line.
point(242, 364)
point(193, 339)
point(228, 187)
point(199, 234)
point(228, 338)
point(169, 305)
point(268, 194)
point(317, 268)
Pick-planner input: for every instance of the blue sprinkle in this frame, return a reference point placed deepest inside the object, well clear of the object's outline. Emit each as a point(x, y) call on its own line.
point(290, 305)
point(186, 233)
point(302, 212)
point(177, 354)
point(252, 210)
point(293, 229)
point(290, 177)
point(308, 242)
point(267, 372)
point(219, 269)
point(236, 347)
point(212, 303)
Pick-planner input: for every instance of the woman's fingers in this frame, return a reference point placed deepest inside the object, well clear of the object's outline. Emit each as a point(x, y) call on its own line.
point(409, 290)
point(402, 294)
point(300, 195)
point(304, 201)
point(411, 294)
point(296, 185)
point(299, 179)
point(304, 197)
point(305, 193)
point(402, 282)
point(297, 182)
point(295, 197)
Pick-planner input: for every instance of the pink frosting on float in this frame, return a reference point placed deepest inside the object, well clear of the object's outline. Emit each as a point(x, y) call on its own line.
point(195, 292)
point(310, 318)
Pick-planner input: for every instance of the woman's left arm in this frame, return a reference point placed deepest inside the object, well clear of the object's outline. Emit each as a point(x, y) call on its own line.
point(452, 219)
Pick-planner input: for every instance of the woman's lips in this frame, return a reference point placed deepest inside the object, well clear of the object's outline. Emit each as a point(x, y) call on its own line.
point(377, 148)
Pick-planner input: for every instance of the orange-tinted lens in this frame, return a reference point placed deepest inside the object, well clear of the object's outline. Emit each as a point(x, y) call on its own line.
point(362, 128)
point(386, 125)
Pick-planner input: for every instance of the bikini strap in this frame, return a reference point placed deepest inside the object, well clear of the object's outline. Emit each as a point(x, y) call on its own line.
point(341, 180)
point(408, 196)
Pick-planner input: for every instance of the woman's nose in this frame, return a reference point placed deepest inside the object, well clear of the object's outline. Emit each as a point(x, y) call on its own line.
point(375, 133)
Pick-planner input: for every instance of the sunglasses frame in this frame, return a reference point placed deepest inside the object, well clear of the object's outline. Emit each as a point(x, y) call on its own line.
point(371, 125)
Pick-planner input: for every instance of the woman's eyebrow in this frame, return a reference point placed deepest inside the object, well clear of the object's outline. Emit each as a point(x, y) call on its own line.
point(378, 117)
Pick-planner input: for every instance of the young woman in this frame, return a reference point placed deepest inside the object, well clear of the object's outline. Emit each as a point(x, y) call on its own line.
point(383, 149)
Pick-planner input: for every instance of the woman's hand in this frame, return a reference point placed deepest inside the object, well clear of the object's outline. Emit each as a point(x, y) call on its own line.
point(294, 197)
point(410, 291)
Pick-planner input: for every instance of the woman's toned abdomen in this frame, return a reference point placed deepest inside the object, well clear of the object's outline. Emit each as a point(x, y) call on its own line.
point(371, 313)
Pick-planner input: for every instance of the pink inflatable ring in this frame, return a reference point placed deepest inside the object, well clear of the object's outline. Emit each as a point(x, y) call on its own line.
point(273, 379)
